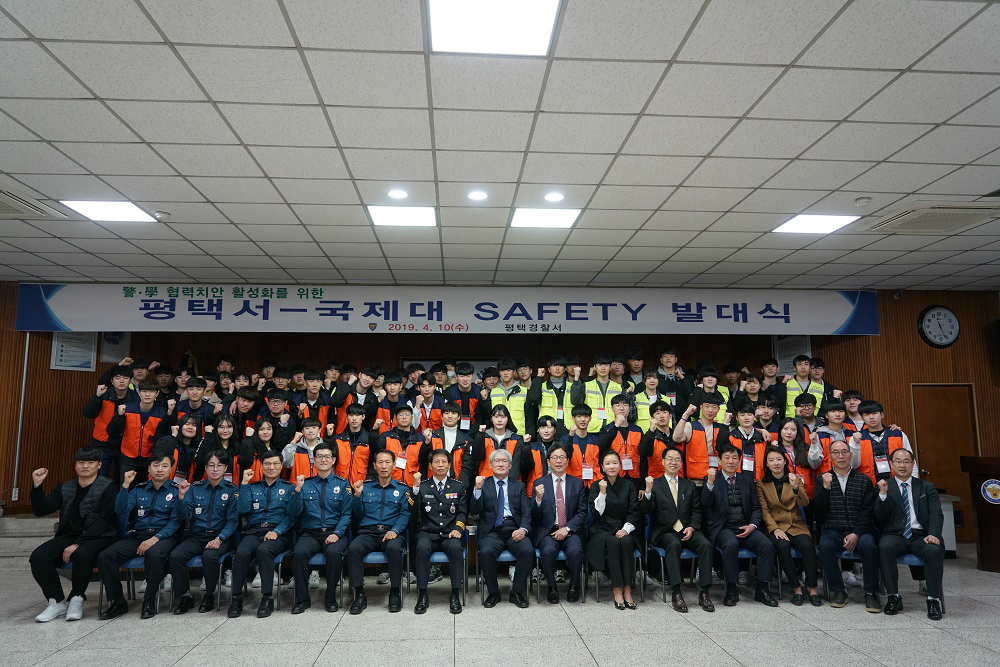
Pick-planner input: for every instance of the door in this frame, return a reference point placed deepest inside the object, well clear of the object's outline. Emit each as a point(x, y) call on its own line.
point(945, 422)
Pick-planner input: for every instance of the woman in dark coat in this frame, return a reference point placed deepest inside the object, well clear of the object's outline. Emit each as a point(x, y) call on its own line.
point(615, 512)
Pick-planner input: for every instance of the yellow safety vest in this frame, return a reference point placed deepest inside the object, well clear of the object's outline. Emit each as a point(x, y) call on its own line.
point(793, 390)
point(550, 407)
point(601, 406)
point(515, 404)
point(642, 403)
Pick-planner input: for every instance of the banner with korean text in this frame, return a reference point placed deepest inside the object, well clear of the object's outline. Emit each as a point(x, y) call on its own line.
point(388, 309)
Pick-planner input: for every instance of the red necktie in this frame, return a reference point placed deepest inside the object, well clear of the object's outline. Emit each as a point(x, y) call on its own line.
point(560, 504)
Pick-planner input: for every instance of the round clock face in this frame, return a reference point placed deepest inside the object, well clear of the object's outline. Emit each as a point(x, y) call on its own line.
point(938, 326)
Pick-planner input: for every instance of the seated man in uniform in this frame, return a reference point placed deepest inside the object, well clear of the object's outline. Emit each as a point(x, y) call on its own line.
point(439, 518)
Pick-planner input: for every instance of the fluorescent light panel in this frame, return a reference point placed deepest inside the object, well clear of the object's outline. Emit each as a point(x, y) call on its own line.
point(109, 211)
point(816, 224)
point(513, 27)
point(551, 218)
point(403, 216)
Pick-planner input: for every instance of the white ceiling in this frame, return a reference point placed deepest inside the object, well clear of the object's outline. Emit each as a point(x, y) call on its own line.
point(687, 130)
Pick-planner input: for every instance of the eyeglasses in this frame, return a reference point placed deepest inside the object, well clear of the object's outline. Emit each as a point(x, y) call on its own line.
point(323, 457)
point(557, 458)
point(215, 465)
point(271, 464)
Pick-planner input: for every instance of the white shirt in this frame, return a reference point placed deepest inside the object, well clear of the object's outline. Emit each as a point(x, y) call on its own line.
point(450, 435)
point(914, 524)
point(601, 502)
point(478, 493)
point(842, 480)
point(538, 501)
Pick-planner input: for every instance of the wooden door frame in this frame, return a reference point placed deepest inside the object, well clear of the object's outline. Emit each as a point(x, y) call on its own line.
point(975, 411)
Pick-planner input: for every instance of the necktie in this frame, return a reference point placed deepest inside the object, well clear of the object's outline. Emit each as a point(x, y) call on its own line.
point(500, 504)
point(732, 481)
point(678, 526)
point(560, 504)
point(440, 486)
point(907, 530)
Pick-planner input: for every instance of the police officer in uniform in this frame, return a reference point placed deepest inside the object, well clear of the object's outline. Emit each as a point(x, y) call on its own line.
point(382, 510)
point(439, 518)
point(269, 509)
point(153, 534)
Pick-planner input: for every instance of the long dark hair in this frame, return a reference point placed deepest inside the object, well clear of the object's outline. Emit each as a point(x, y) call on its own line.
point(768, 475)
point(798, 443)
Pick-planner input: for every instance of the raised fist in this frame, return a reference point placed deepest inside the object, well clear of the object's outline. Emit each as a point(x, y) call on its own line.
point(484, 394)
point(174, 430)
point(541, 372)
point(101, 388)
point(482, 428)
point(712, 472)
point(358, 486)
point(218, 408)
point(793, 479)
point(576, 374)
point(247, 475)
point(427, 434)
point(378, 424)
point(381, 394)
point(284, 419)
point(171, 404)
point(745, 370)
point(209, 428)
point(299, 481)
point(837, 393)
point(127, 361)
point(182, 488)
point(416, 478)
point(128, 477)
point(603, 486)
point(679, 372)
point(249, 432)
point(649, 483)
point(590, 373)
point(39, 476)
point(691, 409)
point(121, 409)
point(883, 487)
point(330, 428)
point(153, 365)
point(827, 480)
point(479, 482)
point(856, 437)
point(254, 378)
point(539, 492)
point(302, 409)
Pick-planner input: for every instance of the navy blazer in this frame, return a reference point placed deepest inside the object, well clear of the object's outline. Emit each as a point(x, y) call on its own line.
point(543, 516)
point(926, 505)
point(716, 503)
point(486, 506)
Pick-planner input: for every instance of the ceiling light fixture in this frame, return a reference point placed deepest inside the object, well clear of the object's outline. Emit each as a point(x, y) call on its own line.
point(109, 211)
point(545, 218)
point(477, 195)
point(403, 216)
point(816, 224)
point(398, 194)
point(512, 27)
point(554, 196)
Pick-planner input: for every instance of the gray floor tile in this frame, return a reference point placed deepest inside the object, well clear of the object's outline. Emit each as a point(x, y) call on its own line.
point(927, 647)
point(313, 626)
point(813, 648)
point(651, 617)
point(371, 625)
point(748, 616)
point(986, 637)
point(164, 629)
point(251, 655)
point(114, 657)
point(992, 600)
point(852, 617)
point(692, 648)
point(506, 620)
point(562, 651)
point(390, 651)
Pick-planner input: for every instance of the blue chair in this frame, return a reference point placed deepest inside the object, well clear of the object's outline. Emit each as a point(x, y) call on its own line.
point(130, 566)
point(686, 554)
point(504, 557)
point(441, 558)
point(197, 562)
point(743, 554)
point(379, 558)
point(560, 557)
point(913, 560)
point(316, 559)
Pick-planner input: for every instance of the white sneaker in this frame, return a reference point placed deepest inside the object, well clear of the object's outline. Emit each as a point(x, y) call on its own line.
point(510, 572)
point(52, 611)
point(314, 580)
point(534, 575)
point(256, 581)
point(560, 577)
point(168, 583)
point(850, 580)
point(602, 578)
point(435, 573)
point(142, 586)
point(201, 586)
point(74, 612)
point(227, 580)
point(411, 578)
point(743, 579)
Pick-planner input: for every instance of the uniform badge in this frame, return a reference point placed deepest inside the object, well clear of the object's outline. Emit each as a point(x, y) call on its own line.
point(197, 510)
point(141, 513)
point(256, 506)
point(427, 509)
point(225, 496)
point(395, 494)
point(453, 508)
point(170, 497)
point(336, 490)
point(281, 492)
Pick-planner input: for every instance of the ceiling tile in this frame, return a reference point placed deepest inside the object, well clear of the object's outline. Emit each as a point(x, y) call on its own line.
point(183, 211)
point(141, 230)
point(316, 191)
point(682, 220)
point(11, 130)
point(986, 112)
point(725, 240)
point(110, 20)
point(240, 190)
point(129, 71)
point(211, 274)
point(923, 97)
point(35, 157)
point(766, 31)
point(663, 239)
point(658, 135)
point(599, 87)
point(780, 201)
point(292, 248)
point(817, 175)
point(457, 194)
point(495, 84)
point(404, 235)
point(749, 222)
point(381, 128)
point(71, 187)
point(701, 255)
point(898, 177)
point(68, 120)
point(79, 231)
point(300, 262)
point(282, 162)
point(636, 30)
point(607, 219)
point(175, 122)
point(968, 181)
point(705, 199)
point(381, 25)
point(532, 195)
point(476, 166)
point(247, 23)
point(154, 188)
point(958, 145)
point(279, 125)
point(352, 235)
point(820, 94)
point(157, 247)
point(843, 203)
point(391, 165)
point(41, 245)
point(202, 160)
point(331, 215)
point(650, 170)
point(420, 193)
point(481, 130)
point(971, 49)
point(250, 75)
point(472, 234)
point(8, 30)
point(123, 159)
point(562, 168)
point(30, 72)
point(249, 254)
point(511, 251)
point(199, 232)
point(864, 141)
point(473, 217)
point(734, 172)
point(369, 79)
point(711, 90)
point(624, 196)
point(357, 251)
point(580, 133)
point(771, 138)
point(472, 251)
point(278, 275)
point(540, 236)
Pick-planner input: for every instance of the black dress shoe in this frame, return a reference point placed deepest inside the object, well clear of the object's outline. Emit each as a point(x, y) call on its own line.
point(332, 607)
point(631, 605)
point(934, 610)
point(519, 600)
point(235, 607)
point(815, 600)
point(764, 595)
point(114, 610)
point(266, 607)
point(360, 603)
point(455, 604)
point(422, 603)
point(705, 601)
point(872, 604)
point(207, 604)
point(893, 605)
point(491, 600)
point(797, 599)
point(732, 597)
point(185, 605)
point(574, 594)
point(620, 606)
point(148, 609)
point(678, 603)
point(395, 600)
point(300, 607)
point(553, 596)
point(838, 599)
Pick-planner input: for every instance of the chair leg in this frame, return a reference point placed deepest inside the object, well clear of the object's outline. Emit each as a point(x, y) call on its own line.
point(663, 578)
point(538, 581)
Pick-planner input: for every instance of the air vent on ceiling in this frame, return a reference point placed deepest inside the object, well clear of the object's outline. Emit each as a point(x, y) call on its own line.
point(17, 206)
point(935, 217)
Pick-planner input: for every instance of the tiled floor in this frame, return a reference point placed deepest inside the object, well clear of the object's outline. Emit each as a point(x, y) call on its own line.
point(566, 634)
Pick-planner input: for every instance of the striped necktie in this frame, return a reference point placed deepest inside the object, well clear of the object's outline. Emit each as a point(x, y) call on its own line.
point(907, 530)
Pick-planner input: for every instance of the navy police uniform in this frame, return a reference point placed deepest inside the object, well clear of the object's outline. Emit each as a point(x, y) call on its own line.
point(325, 510)
point(378, 510)
point(213, 514)
point(266, 508)
point(441, 507)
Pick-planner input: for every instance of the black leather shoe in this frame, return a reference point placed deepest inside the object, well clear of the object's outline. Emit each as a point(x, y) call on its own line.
point(732, 597)
point(934, 610)
point(797, 599)
point(553, 596)
point(872, 604)
point(455, 604)
point(395, 600)
point(764, 595)
point(422, 603)
point(185, 605)
point(148, 609)
point(893, 605)
point(491, 600)
point(631, 605)
point(678, 603)
point(838, 599)
point(705, 601)
point(207, 604)
point(574, 594)
point(266, 607)
point(114, 610)
point(518, 600)
point(332, 607)
point(300, 606)
point(360, 603)
point(815, 600)
point(235, 607)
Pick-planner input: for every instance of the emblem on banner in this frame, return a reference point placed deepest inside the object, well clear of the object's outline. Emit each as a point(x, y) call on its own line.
point(372, 325)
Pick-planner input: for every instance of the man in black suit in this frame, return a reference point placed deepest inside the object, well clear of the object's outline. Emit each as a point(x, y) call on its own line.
point(504, 523)
point(675, 504)
point(908, 510)
point(558, 519)
point(734, 519)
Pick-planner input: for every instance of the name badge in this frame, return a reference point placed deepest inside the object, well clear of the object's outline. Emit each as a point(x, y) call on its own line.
point(713, 461)
point(601, 414)
point(588, 471)
point(672, 399)
point(178, 478)
point(401, 462)
point(627, 463)
point(465, 423)
point(559, 413)
point(882, 464)
point(748, 463)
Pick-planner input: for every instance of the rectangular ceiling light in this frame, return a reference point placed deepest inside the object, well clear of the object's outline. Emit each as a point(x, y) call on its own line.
point(403, 216)
point(816, 224)
point(109, 211)
point(512, 27)
point(547, 218)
